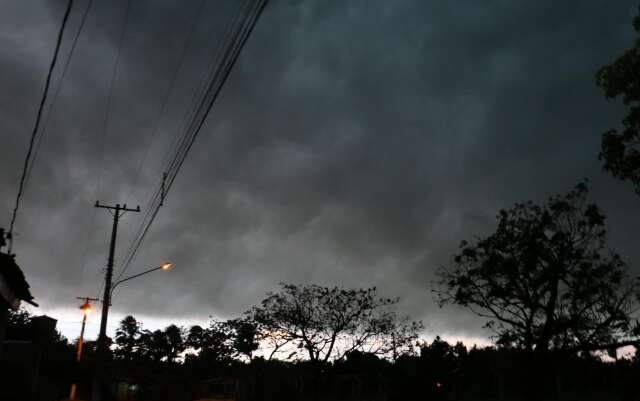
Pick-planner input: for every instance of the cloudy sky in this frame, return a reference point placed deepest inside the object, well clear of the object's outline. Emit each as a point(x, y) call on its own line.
point(356, 143)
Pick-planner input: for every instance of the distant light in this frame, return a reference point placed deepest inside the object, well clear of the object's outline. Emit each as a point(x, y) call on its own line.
point(86, 308)
point(167, 266)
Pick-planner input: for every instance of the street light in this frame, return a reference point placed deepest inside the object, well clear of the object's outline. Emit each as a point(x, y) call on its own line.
point(164, 266)
point(98, 387)
point(86, 310)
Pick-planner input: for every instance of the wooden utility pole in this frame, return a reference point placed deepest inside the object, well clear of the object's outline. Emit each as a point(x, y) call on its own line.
point(118, 211)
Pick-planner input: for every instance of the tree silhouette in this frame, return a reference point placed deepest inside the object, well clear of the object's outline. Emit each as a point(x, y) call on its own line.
point(327, 323)
point(442, 362)
point(402, 338)
point(545, 279)
point(245, 336)
point(213, 345)
point(195, 337)
point(154, 345)
point(620, 151)
point(175, 341)
point(442, 371)
point(19, 325)
point(128, 338)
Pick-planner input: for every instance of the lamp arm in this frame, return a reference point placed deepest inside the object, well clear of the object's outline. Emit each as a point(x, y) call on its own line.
point(134, 276)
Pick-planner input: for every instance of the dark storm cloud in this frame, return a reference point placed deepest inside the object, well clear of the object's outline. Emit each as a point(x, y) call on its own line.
point(355, 143)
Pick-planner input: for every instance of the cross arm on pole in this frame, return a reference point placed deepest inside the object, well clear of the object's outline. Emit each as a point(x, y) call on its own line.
point(117, 207)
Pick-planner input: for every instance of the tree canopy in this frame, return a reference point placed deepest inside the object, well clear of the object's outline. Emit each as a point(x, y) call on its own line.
point(620, 150)
point(545, 279)
point(328, 323)
point(128, 337)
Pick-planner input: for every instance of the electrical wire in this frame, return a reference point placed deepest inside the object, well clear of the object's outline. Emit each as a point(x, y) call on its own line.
point(114, 74)
point(50, 112)
point(156, 199)
point(182, 145)
point(168, 92)
point(237, 36)
point(153, 199)
point(57, 91)
point(105, 122)
point(27, 160)
point(206, 77)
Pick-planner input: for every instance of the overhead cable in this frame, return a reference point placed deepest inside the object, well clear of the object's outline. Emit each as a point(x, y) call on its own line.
point(235, 39)
point(45, 125)
point(34, 132)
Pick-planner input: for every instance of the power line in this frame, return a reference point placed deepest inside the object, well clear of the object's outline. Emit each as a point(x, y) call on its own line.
point(114, 74)
point(50, 112)
point(169, 90)
point(157, 198)
point(231, 55)
point(198, 96)
point(25, 168)
point(167, 94)
point(237, 36)
point(57, 91)
point(182, 149)
point(105, 122)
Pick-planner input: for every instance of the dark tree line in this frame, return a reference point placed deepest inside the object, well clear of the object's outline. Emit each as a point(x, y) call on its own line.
point(311, 322)
point(300, 331)
point(434, 370)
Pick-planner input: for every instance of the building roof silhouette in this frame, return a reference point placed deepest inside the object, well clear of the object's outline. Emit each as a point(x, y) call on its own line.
point(13, 285)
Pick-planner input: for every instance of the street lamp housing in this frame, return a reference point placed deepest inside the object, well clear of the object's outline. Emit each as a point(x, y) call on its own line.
point(86, 308)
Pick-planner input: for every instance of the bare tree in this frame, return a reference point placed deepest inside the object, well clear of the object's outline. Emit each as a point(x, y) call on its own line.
point(328, 323)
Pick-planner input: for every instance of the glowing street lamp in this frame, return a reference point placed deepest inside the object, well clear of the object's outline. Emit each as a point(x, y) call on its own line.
point(165, 266)
point(86, 310)
point(106, 303)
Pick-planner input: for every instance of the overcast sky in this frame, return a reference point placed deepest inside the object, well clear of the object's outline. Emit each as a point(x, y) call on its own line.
point(356, 143)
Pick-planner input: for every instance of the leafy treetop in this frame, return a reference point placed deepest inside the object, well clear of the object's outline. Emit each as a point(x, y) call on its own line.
point(620, 150)
point(545, 279)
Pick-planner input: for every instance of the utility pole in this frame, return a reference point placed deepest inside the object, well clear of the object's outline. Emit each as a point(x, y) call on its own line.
point(86, 309)
point(118, 211)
